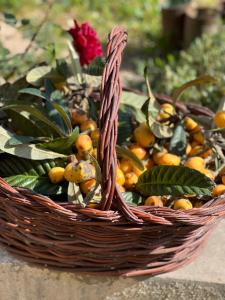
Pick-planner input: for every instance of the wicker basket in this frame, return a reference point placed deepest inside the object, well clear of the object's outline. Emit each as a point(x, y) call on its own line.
point(114, 239)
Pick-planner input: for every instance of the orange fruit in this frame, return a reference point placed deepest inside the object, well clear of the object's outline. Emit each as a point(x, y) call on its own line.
point(78, 117)
point(125, 165)
point(56, 174)
point(130, 180)
point(219, 119)
point(120, 179)
point(154, 201)
point(139, 151)
point(190, 124)
point(182, 204)
point(218, 190)
point(88, 125)
point(84, 143)
point(169, 160)
point(87, 185)
point(143, 136)
point(196, 163)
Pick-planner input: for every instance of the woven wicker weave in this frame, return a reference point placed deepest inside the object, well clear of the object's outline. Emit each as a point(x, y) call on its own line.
point(114, 239)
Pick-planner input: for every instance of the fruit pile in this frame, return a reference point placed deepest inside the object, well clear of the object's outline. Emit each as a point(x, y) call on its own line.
point(145, 147)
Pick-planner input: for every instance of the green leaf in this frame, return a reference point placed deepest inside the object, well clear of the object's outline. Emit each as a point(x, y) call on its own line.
point(37, 75)
point(96, 67)
point(126, 153)
point(20, 172)
point(125, 127)
point(173, 180)
point(132, 198)
point(62, 145)
point(25, 150)
point(39, 184)
point(37, 114)
point(75, 64)
point(22, 122)
point(20, 139)
point(135, 101)
point(178, 142)
point(33, 92)
point(64, 116)
point(204, 79)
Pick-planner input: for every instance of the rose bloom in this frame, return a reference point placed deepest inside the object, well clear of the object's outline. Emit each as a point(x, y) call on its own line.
point(86, 42)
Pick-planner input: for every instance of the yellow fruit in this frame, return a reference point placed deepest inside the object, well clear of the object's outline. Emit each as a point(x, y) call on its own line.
point(196, 163)
point(88, 125)
point(84, 143)
point(79, 172)
point(198, 136)
point(190, 124)
point(93, 204)
point(154, 201)
point(126, 165)
point(120, 179)
point(182, 204)
point(219, 119)
point(143, 136)
point(150, 164)
point(139, 151)
point(208, 173)
point(87, 185)
point(169, 160)
point(78, 117)
point(167, 110)
point(95, 136)
point(188, 149)
point(157, 155)
point(56, 174)
point(218, 190)
point(130, 180)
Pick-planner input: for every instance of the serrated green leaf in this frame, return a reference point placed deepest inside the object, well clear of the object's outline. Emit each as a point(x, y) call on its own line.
point(132, 198)
point(126, 153)
point(178, 142)
point(62, 145)
point(25, 151)
point(173, 180)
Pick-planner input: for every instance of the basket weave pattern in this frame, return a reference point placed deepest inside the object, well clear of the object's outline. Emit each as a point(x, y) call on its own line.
point(114, 239)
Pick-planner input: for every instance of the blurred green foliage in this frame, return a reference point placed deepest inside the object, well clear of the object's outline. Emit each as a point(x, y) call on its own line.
point(206, 55)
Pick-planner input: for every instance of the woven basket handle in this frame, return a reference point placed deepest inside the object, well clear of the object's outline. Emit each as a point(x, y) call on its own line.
point(108, 123)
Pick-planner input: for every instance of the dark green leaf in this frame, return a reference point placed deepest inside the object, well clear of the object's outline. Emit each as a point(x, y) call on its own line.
point(173, 180)
point(64, 117)
point(20, 139)
point(62, 145)
point(96, 67)
point(25, 22)
point(178, 142)
point(126, 153)
point(132, 198)
point(37, 184)
point(125, 127)
point(33, 92)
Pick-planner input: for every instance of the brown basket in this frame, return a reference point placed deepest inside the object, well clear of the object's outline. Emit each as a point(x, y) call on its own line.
point(114, 239)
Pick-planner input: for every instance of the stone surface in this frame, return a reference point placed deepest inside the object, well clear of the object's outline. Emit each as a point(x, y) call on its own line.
point(204, 279)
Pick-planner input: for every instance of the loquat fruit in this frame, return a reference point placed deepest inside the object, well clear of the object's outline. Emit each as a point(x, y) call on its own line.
point(120, 179)
point(169, 160)
point(182, 204)
point(218, 190)
point(154, 201)
point(139, 151)
point(125, 165)
point(56, 174)
point(87, 185)
point(219, 119)
point(84, 144)
point(88, 125)
point(190, 124)
point(143, 136)
point(196, 163)
point(78, 117)
point(130, 180)
point(79, 172)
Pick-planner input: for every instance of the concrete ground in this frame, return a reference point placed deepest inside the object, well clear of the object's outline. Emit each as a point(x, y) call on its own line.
point(203, 279)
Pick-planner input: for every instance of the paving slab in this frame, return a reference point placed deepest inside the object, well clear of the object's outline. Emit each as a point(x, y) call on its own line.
point(204, 279)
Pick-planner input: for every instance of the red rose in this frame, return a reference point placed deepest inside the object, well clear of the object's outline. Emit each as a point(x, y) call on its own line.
point(86, 42)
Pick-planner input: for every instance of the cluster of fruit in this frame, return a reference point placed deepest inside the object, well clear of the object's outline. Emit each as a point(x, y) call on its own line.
point(142, 145)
